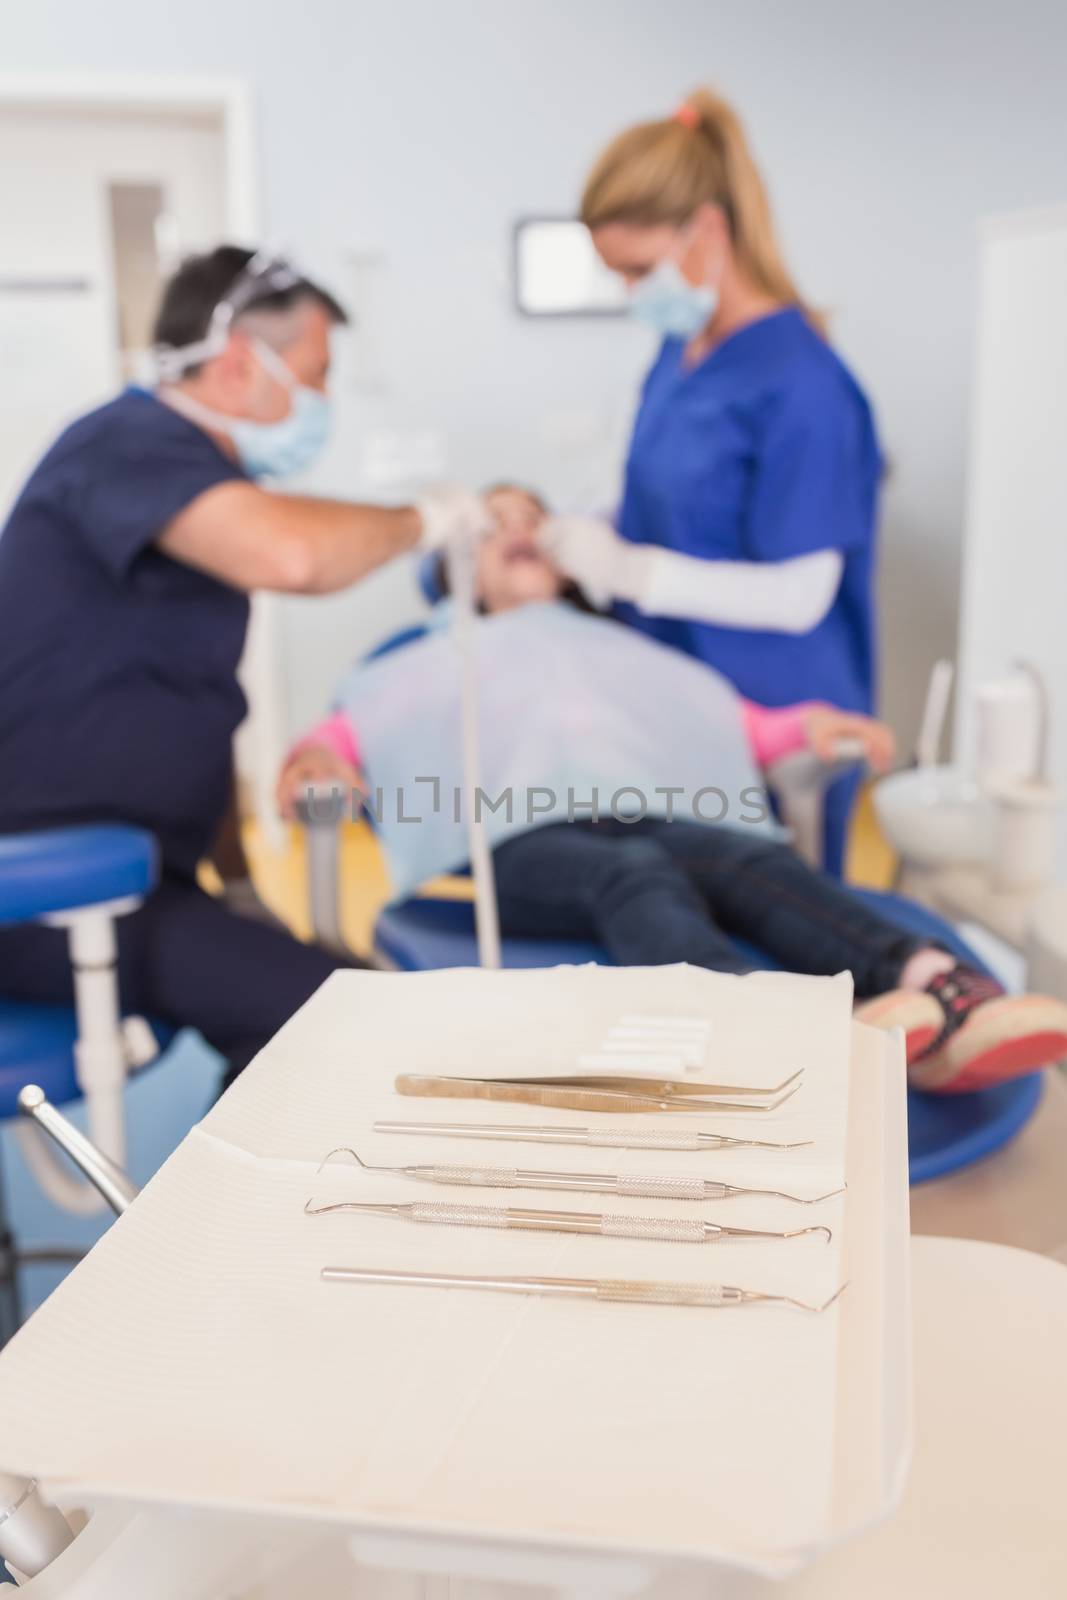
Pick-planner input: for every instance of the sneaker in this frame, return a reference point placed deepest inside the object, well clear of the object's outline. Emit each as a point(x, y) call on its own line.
point(913, 1010)
point(987, 1036)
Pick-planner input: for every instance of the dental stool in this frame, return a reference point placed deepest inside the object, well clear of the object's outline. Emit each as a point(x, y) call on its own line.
point(945, 1132)
point(80, 879)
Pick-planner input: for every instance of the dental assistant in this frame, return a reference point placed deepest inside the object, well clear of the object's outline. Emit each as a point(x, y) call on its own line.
point(125, 570)
point(747, 527)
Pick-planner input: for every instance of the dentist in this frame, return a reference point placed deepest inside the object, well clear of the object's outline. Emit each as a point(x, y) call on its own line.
point(125, 570)
point(747, 527)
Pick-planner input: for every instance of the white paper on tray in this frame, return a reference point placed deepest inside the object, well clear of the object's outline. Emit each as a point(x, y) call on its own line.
point(196, 1356)
point(370, 1027)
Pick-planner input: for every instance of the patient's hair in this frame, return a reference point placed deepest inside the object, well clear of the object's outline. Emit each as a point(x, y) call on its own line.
point(201, 282)
point(505, 486)
point(662, 172)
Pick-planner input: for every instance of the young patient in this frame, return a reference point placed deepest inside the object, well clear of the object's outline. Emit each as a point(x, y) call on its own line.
point(570, 697)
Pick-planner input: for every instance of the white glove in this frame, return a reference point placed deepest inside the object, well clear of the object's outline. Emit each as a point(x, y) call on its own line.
point(603, 565)
point(452, 516)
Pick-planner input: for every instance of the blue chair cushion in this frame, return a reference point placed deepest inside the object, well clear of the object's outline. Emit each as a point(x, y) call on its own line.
point(37, 1046)
point(945, 1132)
point(63, 868)
point(426, 934)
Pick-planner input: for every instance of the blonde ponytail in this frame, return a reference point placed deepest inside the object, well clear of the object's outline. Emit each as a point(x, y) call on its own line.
point(662, 172)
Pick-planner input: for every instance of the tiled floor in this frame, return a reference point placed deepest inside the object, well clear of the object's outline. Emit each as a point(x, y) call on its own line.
point(1018, 1196)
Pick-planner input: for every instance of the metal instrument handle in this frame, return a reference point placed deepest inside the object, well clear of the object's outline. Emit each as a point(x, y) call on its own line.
point(645, 1139)
point(475, 1177)
point(668, 1188)
point(675, 1229)
point(679, 1230)
point(668, 1294)
point(457, 1215)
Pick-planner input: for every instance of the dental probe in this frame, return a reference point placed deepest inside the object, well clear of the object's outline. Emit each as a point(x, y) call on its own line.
point(635, 1291)
point(641, 1186)
point(602, 1138)
point(677, 1230)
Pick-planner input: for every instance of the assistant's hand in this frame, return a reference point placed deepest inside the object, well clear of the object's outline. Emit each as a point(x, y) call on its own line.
point(589, 551)
point(826, 726)
point(452, 516)
point(314, 763)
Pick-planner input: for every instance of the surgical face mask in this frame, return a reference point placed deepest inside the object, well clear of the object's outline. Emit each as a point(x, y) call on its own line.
point(279, 449)
point(268, 449)
point(665, 300)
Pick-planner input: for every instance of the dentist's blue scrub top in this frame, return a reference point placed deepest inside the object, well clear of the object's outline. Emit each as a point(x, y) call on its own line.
point(118, 689)
point(763, 451)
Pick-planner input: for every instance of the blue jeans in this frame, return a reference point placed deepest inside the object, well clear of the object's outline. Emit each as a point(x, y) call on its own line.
point(653, 891)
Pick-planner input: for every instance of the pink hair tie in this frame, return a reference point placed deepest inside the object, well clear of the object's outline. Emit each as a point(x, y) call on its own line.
point(687, 115)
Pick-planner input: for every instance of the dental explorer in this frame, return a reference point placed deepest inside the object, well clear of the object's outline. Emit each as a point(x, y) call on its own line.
point(637, 1186)
point(634, 1291)
point(601, 1138)
point(676, 1230)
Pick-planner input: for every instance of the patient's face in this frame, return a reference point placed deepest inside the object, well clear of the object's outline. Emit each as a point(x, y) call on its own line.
point(512, 571)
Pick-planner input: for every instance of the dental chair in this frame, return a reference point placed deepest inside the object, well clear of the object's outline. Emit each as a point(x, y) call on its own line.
point(79, 879)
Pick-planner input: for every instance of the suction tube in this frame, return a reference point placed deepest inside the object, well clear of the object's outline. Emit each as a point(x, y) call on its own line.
point(461, 566)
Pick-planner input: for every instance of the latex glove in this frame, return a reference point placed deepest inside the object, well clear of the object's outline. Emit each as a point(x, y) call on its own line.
point(452, 516)
point(603, 565)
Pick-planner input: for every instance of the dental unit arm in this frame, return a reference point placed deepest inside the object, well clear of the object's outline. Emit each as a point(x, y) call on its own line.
point(33, 1534)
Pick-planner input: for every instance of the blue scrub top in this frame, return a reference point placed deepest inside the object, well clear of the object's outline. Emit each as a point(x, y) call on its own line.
point(763, 451)
point(119, 694)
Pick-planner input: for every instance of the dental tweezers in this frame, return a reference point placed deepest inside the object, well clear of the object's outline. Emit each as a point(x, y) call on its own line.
point(677, 1230)
point(601, 1138)
point(598, 1094)
point(638, 1186)
point(635, 1291)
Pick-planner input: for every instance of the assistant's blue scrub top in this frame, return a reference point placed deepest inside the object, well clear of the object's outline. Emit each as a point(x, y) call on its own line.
point(763, 451)
point(118, 689)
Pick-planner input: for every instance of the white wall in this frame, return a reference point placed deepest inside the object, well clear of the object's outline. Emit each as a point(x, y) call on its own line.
point(59, 350)
point(421, 128)
point(1017, 499)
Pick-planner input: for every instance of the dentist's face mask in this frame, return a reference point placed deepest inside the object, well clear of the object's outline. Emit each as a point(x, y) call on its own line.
point(665, 300)
point(265, 449)
point(280, 449)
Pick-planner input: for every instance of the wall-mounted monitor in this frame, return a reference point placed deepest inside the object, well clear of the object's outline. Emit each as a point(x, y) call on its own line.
point(557, 272)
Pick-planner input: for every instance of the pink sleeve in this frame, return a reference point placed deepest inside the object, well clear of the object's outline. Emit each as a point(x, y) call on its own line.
point(774, 732)
point(337, 733)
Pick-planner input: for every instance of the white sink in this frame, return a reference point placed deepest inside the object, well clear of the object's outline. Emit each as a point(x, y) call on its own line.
point(935, 816)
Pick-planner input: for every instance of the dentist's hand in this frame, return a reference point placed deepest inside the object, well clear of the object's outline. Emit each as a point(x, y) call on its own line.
point(603, 565)
point(451, 516)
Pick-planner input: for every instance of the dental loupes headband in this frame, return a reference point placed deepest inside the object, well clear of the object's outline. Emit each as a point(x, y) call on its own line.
point(265, 274)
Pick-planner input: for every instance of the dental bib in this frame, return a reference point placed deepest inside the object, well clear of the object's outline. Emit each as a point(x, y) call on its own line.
point(569, 706)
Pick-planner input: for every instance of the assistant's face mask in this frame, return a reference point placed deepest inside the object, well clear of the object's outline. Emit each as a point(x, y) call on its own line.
point(280, 449)
point(665, 300)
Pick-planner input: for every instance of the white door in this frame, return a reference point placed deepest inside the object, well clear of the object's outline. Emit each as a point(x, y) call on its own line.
point(96, 205)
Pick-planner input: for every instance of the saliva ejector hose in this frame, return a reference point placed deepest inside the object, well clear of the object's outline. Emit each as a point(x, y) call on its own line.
point(461, 568)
